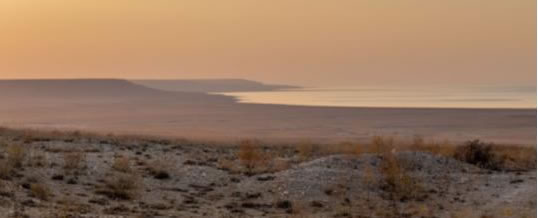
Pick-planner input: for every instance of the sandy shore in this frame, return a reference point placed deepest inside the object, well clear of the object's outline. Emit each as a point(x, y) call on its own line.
point(121, 107)
point(228, 120)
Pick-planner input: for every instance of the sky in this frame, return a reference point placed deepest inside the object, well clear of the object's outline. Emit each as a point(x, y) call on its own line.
point(302, 42)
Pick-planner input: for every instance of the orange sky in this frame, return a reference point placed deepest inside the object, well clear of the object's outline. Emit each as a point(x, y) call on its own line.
point(307, 42)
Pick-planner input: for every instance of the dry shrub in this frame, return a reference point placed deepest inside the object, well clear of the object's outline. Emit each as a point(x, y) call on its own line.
point(67, 208)
point(342, 148)
point(420, 210)
point(277, 165)
point(518, 158)
point(6, 169)
point(478, 153)
point(382, 145)
point(368, 180)
point(74, 160)
point(37, 158)
point(227, 164)
point(305, 150)
point(159, 169)
point(40, 190)
point(465, 212)
point(121, 164)
point(250, 155)
point(16, 154)
point(397, 181)
point(122, 186)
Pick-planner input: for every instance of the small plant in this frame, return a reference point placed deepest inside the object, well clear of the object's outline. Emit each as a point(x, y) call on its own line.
point(159, 169)
point(305, 151)
point(368, 180)
point(478, 153)
point(40, 190)
point(121, 186)
point(37, 158)
point(6, 169)
point(397, 181)
point(16, 154)
point(382, 145)
point(121, 164)
point(249, 155)
point(226, 164)
point(74, 160)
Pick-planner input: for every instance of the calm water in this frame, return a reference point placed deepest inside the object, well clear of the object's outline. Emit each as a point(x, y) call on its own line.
point(444, 97)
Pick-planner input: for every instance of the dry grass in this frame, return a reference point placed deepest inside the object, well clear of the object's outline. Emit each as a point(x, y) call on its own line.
point(342, 148)
point(74, 161)
point(305, 150)
point(69, 207)
point(396, 180)
point(37, 158)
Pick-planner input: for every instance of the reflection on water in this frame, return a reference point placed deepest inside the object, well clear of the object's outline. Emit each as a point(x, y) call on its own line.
point(437, 97)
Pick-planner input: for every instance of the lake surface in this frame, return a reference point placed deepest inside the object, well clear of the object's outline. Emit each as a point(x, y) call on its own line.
point(408, 97)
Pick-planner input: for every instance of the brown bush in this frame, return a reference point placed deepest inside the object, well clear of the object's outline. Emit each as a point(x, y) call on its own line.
point(121, 186)
point(382, 145)
point(6, 169)
point(342, 148)
point(478, 153)
point(396, 180)
point(40, 190)
point(249, 154)
point(16, 154)
point(497, 157)
point(305, 150)
point(121, 164)
point(159, 169)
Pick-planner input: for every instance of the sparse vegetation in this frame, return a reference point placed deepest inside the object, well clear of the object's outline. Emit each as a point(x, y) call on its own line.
point(384, 178)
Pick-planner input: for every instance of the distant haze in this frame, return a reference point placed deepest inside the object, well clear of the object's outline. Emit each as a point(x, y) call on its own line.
point(298, 42)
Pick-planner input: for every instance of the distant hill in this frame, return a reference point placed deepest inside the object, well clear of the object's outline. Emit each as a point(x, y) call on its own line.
point(93, 89)
point(211, 85)
point(74, 87)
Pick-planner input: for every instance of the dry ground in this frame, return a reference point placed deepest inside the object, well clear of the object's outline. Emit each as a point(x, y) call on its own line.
point(73, 174)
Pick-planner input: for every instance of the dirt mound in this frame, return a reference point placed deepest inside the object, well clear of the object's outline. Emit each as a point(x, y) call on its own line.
point(323, 177)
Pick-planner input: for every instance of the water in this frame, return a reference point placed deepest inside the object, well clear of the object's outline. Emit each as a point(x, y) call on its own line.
point(409, 97)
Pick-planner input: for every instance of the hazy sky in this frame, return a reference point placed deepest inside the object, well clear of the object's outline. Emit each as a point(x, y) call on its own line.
point(309, 42)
